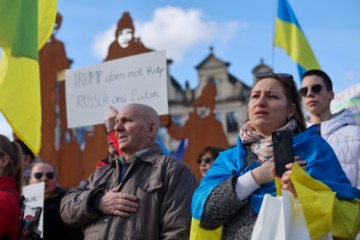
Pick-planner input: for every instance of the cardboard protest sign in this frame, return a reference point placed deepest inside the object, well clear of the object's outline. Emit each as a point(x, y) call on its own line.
point(136, 79)
point(349, 98)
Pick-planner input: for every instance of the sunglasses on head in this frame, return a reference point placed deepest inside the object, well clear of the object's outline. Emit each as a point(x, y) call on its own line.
point(49, 175)
point(206, 160)
point(315, 89)
point(276, 75)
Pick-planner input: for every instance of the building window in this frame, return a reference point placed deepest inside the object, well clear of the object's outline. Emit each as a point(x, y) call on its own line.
point(232, 122)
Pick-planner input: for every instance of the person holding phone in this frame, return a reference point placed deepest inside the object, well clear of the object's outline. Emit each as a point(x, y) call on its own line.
point(231, 193)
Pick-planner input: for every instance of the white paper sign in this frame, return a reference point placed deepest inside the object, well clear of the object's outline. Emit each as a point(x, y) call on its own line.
point(136, 79)
point(33, 210)
point(349, 98)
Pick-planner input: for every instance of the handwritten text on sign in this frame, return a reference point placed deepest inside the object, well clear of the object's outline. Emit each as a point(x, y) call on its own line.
point(136, 79)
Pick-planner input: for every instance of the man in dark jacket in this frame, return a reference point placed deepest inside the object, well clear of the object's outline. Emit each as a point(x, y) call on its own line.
point(142, 195)
point(54, 227)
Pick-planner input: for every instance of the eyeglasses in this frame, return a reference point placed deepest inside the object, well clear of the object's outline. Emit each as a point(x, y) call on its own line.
point(315, 89)
point(276, 75)
point(206, 160)
point(49, 175)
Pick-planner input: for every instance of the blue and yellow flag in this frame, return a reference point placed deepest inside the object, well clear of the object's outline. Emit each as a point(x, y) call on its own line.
point(25, 26)
point(340, 216)
point(290, 37)
point(324, 187)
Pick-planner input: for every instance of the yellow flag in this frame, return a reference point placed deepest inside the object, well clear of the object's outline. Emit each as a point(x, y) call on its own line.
point(290, 37)
point(25, 26)
point(342, 217)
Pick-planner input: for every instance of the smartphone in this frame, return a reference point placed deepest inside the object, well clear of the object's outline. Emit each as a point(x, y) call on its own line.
point(283, 150)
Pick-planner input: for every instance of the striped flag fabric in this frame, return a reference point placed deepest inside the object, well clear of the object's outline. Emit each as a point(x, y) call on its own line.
point(290, 37)
point(25, 26)
point(328, 199)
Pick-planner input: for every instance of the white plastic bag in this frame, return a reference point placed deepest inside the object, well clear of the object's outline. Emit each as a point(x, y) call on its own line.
point(282, 218)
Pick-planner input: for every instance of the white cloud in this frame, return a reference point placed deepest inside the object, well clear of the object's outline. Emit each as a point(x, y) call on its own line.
point(175, 30)
point(102, 42)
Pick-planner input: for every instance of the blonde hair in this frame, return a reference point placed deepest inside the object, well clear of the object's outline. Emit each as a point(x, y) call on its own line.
point(13, 169)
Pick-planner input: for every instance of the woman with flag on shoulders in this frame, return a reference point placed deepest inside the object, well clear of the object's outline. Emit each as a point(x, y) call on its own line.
point(228, 200)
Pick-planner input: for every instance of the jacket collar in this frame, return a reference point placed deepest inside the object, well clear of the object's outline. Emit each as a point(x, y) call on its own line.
point(150, 155)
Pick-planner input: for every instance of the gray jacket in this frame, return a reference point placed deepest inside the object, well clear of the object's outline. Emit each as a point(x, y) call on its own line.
point(164, 187)
point(343, 135)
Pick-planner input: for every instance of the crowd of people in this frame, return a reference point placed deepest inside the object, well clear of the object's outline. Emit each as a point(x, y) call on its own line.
point(138, 192)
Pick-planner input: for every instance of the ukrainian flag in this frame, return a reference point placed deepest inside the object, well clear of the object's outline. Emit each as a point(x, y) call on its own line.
point(328, 200)
point(25, 27)
point(290, 37)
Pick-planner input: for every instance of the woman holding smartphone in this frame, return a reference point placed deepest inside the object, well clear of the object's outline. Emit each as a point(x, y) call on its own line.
point(230, 195)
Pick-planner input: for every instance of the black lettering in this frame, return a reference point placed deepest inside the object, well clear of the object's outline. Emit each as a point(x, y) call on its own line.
point(135, 73)
point(112, 77)
point(143, 96)
point(118, 99)
point(83, 79)
point(92, 101)
point(158, 70)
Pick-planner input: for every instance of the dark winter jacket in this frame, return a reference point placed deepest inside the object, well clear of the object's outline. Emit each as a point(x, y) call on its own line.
point(54, 226)
point(164, 187)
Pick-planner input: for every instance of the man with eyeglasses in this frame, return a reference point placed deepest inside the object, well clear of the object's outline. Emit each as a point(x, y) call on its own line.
point(53, 226)
point(339, 129)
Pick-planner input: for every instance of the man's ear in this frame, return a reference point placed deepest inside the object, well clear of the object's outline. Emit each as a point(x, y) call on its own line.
point(152, 129)
point(331, 95)
point(4, 161)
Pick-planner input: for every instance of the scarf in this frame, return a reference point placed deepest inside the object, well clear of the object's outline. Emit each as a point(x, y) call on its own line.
point(261, 144)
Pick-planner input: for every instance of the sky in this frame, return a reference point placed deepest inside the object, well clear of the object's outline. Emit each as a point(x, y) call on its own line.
point(240, 32)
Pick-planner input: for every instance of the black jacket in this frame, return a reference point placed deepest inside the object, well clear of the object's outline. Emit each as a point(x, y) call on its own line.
point(54, 226)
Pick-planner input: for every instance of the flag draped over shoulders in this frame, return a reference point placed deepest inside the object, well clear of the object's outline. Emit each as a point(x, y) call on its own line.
point(341, 217)
point(322, 165)
point(325, 187)
point(230, 163)
point(25, 27)
point(290, 37)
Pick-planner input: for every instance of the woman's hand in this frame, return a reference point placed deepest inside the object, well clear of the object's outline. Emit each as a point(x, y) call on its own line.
point(286, 183)
point(302, 163)
point(285, 180)
point(264, 173)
